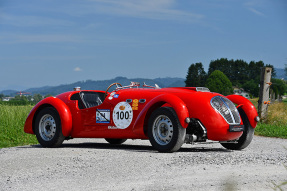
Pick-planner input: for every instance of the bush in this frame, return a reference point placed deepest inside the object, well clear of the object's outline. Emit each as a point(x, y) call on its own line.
point(218, 82)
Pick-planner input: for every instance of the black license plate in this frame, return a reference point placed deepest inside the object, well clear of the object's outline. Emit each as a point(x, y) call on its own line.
point(236, 128)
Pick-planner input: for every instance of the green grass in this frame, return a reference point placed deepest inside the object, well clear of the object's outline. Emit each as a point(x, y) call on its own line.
point(269, 130)
point(276, 122)
point(12, 119)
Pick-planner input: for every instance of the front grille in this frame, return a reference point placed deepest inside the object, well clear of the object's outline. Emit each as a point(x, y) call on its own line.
point(227, 109)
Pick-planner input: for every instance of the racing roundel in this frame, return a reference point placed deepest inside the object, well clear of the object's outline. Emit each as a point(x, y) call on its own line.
point(122, 115)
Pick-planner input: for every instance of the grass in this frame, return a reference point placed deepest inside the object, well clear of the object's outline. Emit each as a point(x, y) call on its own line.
point(276, 123)
point(12, 119)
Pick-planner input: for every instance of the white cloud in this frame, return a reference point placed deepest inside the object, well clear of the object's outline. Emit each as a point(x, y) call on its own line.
point(149, 9)
point(78, 69)
point(255, 11)
point(254, 3)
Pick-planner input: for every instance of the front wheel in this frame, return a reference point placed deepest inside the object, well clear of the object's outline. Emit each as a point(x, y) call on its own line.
point(48, 128)
point(245, 138)
point(165, 131)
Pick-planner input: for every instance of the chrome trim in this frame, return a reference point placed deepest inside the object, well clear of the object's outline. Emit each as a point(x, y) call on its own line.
point(203, 128)
point(202, 89)
point(230, 113)
point(187, 120)
point(147, 86)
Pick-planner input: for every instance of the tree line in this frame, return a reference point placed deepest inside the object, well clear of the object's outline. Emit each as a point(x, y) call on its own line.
point(223, 74)
point(23, 100)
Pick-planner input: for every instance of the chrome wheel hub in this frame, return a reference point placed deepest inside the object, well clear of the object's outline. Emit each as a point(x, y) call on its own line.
point(162, 130)
point(47, 127)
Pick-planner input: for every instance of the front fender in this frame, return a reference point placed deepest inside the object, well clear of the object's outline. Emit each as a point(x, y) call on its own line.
point(62, 109)
point(247, 107)
point(177, 104)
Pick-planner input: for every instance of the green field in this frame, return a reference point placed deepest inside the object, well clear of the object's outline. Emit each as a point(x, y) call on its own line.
point(276, 122)
point(12, 119)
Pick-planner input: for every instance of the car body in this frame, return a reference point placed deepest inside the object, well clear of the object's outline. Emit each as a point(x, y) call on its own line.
point(168, 117)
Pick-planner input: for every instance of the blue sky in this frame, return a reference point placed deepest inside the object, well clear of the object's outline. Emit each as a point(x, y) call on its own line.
point(52, 42)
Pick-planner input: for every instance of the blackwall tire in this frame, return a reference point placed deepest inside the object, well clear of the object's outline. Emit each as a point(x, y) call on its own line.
point(116, 141)
point(165, 131)
point(245, 138)
point(48, 128)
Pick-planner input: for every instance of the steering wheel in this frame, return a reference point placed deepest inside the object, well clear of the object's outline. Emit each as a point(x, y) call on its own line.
point(110, 87)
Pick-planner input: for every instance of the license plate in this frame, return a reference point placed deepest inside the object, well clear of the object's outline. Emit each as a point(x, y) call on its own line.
point(236, 128)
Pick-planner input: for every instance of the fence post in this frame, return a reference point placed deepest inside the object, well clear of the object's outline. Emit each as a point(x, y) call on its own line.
point(265, 83)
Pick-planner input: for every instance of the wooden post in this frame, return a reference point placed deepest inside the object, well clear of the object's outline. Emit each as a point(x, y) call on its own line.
point(265, 83)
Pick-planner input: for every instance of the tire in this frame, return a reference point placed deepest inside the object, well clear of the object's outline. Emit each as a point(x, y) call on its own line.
point(48, 128)
point(245, 138)
point(116, 141)
point(165, 131)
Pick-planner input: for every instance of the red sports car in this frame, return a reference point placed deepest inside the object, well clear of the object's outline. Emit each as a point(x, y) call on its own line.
point(168, 117)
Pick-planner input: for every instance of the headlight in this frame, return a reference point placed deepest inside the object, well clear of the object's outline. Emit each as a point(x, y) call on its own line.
point(227, 109)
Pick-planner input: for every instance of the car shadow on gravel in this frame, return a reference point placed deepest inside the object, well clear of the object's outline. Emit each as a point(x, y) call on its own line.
point(133, 148)
point(203, 150)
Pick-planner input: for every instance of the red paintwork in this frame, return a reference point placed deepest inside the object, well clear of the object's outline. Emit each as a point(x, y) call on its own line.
point(61, 107)
point(247, 106)
point(186, 102)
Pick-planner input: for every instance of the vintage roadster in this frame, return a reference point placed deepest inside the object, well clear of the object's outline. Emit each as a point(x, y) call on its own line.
point(168, 117)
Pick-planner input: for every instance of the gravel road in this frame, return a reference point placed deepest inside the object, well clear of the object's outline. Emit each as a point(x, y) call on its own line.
point(93, 164)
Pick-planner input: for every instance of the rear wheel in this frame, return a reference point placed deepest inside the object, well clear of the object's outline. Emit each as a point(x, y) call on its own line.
point(116, 141)
point(246, 137)
point(165, 131)
point(48, 128)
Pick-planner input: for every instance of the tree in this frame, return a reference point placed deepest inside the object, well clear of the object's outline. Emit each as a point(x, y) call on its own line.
point(237, 71)
point(252, 87)
point(239, 74)
point(221, 64)
point(48, 95)
point(254, 71)
point(285, 69)
point(196, 75)
point(37, 98)
point(218, 82)
point(20, 98)
point(279, 87)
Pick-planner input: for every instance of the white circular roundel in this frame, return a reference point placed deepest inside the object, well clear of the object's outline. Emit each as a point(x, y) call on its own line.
point(123, 115)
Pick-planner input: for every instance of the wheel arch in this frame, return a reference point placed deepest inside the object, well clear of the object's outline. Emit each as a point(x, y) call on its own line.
point(61, 108)
point(141, 123)
point(245, 105)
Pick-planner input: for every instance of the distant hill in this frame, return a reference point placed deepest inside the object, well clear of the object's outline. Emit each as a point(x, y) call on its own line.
point(99, 85)
point(103, 84)
point(280, 73)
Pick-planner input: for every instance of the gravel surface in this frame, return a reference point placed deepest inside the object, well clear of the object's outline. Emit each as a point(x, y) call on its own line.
point(93, 164)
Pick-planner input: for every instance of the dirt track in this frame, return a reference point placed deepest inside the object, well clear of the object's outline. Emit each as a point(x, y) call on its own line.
point(93, 164)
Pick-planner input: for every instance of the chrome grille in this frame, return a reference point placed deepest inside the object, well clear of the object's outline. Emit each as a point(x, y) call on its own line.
point(227, 109)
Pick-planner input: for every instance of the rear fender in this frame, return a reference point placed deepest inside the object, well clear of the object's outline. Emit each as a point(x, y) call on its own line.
point(62, 109)
point(175, 102)
point(246, 106)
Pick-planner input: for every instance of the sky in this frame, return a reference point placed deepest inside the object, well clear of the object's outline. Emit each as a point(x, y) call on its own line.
point(53, 42)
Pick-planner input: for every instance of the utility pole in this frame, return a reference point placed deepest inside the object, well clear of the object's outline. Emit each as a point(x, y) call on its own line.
point(265, 83)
